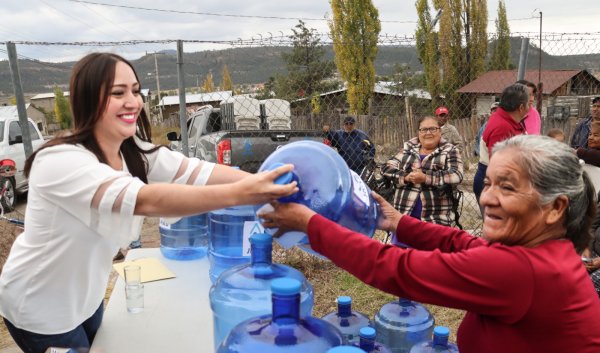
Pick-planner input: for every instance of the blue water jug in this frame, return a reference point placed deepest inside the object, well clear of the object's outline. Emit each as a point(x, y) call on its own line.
point(186, 239)
point(244, 291)
point(402, 323)
point(348, 321)
point(327, 186)
point(439, 344)
point(367, 341)
point(226, 229)
point(284, 331)
point(345, 349)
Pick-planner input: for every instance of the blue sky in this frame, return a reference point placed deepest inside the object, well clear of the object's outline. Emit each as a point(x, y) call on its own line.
point(72, 21)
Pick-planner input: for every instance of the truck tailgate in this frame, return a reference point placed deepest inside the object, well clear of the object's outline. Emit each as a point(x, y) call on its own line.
point(250, 148)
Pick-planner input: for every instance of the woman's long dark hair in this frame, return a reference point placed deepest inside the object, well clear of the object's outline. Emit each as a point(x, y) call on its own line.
point(90, 86)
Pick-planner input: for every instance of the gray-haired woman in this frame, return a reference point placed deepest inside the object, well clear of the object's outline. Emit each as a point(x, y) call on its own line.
point(523, 284)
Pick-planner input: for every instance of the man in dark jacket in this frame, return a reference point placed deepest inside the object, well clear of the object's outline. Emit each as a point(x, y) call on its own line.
point(352, 144)
point(582, 130)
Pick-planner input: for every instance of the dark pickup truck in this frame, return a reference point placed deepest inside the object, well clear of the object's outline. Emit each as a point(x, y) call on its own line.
point(242, 132)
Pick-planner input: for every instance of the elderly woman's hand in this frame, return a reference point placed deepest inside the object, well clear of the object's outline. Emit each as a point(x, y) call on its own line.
point(287, 217)
point(416, 177)
point(391, 216)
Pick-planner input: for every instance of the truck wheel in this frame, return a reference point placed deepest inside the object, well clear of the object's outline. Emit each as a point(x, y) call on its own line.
point(8, 196)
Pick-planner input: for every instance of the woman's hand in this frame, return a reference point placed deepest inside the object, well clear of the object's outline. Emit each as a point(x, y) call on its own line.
point(287, 217)
point(594, 265)
point(391, 216)
point(260, 188)
point(416, 177)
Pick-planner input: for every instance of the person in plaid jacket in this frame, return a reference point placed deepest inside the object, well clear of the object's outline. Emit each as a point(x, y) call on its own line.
point(424, 173)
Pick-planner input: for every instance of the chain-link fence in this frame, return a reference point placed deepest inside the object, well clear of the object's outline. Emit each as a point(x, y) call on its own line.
point(274, 98)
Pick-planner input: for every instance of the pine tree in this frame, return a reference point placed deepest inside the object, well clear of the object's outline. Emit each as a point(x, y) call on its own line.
point(62, 110)
point(226, 83)
point(307, 69)
point(500, 58)
point(208, 85)
point(355, 30)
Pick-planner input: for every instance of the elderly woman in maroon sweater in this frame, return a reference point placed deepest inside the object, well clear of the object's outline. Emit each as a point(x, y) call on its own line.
point(523, 285)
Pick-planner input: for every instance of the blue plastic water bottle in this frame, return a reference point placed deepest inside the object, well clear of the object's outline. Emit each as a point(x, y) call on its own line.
point(327, 186)
point(439, 344)
point(186, 239)
point(368, 343)
point(402, 323)
point(284, 331)
point(345, 349)
point(226, 228)
point(244, 291)
point(349, 322)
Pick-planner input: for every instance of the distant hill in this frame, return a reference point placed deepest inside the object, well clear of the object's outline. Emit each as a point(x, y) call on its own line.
point(249, 65)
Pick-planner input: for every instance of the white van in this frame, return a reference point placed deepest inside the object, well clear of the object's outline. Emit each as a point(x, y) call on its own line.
point(11, 147)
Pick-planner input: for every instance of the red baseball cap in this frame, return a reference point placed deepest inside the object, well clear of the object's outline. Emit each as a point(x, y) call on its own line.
point(441, 110)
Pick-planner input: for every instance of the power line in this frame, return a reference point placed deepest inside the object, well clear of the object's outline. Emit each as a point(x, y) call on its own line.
point(214, 14)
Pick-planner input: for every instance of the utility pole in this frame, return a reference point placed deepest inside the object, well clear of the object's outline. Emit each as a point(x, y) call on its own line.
point(158, 87)
point(182, 105)
point(16, 78)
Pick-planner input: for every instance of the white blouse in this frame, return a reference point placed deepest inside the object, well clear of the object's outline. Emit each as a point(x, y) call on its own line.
point(79, 213)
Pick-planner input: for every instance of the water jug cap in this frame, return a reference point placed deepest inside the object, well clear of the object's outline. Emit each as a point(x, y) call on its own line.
point(441, 331)
point(367, 332)
point(285, 286)
point(344, 300)
point(261, 239)
point(345, 349)
point(284, 178)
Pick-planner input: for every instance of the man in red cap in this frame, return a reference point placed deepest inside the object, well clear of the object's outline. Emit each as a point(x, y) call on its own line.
point(449, 131)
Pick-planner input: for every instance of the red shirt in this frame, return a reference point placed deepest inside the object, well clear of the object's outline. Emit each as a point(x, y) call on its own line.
point(500, 127)
point(517, 299)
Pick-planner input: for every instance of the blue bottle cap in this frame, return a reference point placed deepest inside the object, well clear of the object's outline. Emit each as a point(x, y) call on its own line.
point(345, 349)
point(284, 178)
point(367, 332)
point(285, 286)
point(344, 300)
point(261, 239)
point(441, 331)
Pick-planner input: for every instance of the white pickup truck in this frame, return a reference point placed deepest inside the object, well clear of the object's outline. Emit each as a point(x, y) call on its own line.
point(11, 147)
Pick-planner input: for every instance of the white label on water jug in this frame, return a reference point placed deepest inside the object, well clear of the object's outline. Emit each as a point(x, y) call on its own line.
point(250, 227)
point(359, 188)
point(164, 223)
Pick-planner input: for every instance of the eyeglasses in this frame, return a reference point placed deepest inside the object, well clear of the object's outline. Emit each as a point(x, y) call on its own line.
point(432, 130)
point(442, 115)
point(348, 123)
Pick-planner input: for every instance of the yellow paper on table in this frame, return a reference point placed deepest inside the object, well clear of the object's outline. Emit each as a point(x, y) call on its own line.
point(151, 269)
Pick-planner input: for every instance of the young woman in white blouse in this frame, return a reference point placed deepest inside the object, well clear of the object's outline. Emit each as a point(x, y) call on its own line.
point(88, 193)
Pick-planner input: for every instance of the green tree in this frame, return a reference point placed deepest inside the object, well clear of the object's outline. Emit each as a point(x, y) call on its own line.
point(62, 110)
point(500, 58)
point(427, 43)
point(307, 70)
point(208, 85)
point(226, 83)
point(355, 30)
point(462, 43)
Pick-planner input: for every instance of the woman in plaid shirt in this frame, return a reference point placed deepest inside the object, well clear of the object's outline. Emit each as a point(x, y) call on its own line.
point(424, 173)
